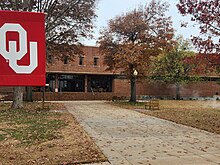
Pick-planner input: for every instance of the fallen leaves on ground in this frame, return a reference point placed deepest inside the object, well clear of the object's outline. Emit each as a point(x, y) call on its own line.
point(72, 146)
point(199, 114)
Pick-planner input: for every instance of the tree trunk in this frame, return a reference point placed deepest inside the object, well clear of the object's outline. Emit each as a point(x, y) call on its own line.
point(177, 91)
point(133, 89)
point(17, 98)
point(29, 94)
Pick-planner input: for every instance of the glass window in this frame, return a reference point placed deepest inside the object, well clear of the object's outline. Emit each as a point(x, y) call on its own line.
point(50, 59)
point(67, 82)
point(65, 60)
point(100, 83)
point(81, 60)
point(95, 61)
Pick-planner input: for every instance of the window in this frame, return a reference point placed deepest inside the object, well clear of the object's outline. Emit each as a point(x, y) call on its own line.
point(81, 60)
point(67, 82)
point(71, 83)
point(65, 61)
point(100, 83)
point(50, 59)
point(95, 61)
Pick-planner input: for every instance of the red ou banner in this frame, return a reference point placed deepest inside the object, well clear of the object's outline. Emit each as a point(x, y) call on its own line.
point(22, 49)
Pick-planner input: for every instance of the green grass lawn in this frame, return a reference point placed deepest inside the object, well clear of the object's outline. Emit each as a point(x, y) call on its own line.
point(35, 136)
point(199, 114)
point(29, 126)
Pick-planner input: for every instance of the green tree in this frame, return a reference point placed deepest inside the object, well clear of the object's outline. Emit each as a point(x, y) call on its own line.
point(130, 39)
point(67, 21)
point(175, 67)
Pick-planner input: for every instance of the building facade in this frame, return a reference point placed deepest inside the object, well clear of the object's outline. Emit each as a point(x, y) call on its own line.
point(86, 78)
point(85, 73)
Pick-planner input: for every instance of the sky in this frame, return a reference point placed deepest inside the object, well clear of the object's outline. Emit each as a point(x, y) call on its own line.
point(109, 9)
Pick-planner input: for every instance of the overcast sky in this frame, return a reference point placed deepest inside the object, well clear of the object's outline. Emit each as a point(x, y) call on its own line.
point(108, 9)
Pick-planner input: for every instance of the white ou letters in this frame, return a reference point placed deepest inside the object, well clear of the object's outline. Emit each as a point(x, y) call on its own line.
point(12, 55)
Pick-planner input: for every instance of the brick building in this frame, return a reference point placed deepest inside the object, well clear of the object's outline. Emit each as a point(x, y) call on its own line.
point(86, 78)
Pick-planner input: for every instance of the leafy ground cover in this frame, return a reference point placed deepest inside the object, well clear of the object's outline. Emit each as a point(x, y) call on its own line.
point(35, 136)
point(199, 114)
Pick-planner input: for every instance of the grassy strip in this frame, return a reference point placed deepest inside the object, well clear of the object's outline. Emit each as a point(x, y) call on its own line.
point(29, 126)
point(35, 136)
point(205, 119)
point(204, 115)
point(128, 105)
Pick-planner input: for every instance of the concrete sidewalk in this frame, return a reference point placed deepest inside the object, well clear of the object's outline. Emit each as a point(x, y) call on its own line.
point(131, 138)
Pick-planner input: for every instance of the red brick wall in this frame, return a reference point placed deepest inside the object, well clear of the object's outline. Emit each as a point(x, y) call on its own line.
point(200, 89)
point(121, 87)
point(205, 88)
point(67, 96)
point(6, 89)
point(88, 67)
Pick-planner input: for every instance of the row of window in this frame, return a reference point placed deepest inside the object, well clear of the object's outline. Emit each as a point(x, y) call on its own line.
point(81, 60)
point(76, 83)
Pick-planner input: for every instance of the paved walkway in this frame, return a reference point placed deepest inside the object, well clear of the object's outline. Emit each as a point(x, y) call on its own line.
point(131, 138)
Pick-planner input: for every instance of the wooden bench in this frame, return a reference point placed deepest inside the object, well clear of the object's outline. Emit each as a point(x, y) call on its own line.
point(152, 105)
point(118, 98)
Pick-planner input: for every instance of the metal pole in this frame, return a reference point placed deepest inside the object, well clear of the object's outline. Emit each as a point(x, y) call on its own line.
point(133, 86)
point(133, 89)
point(43, 97)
